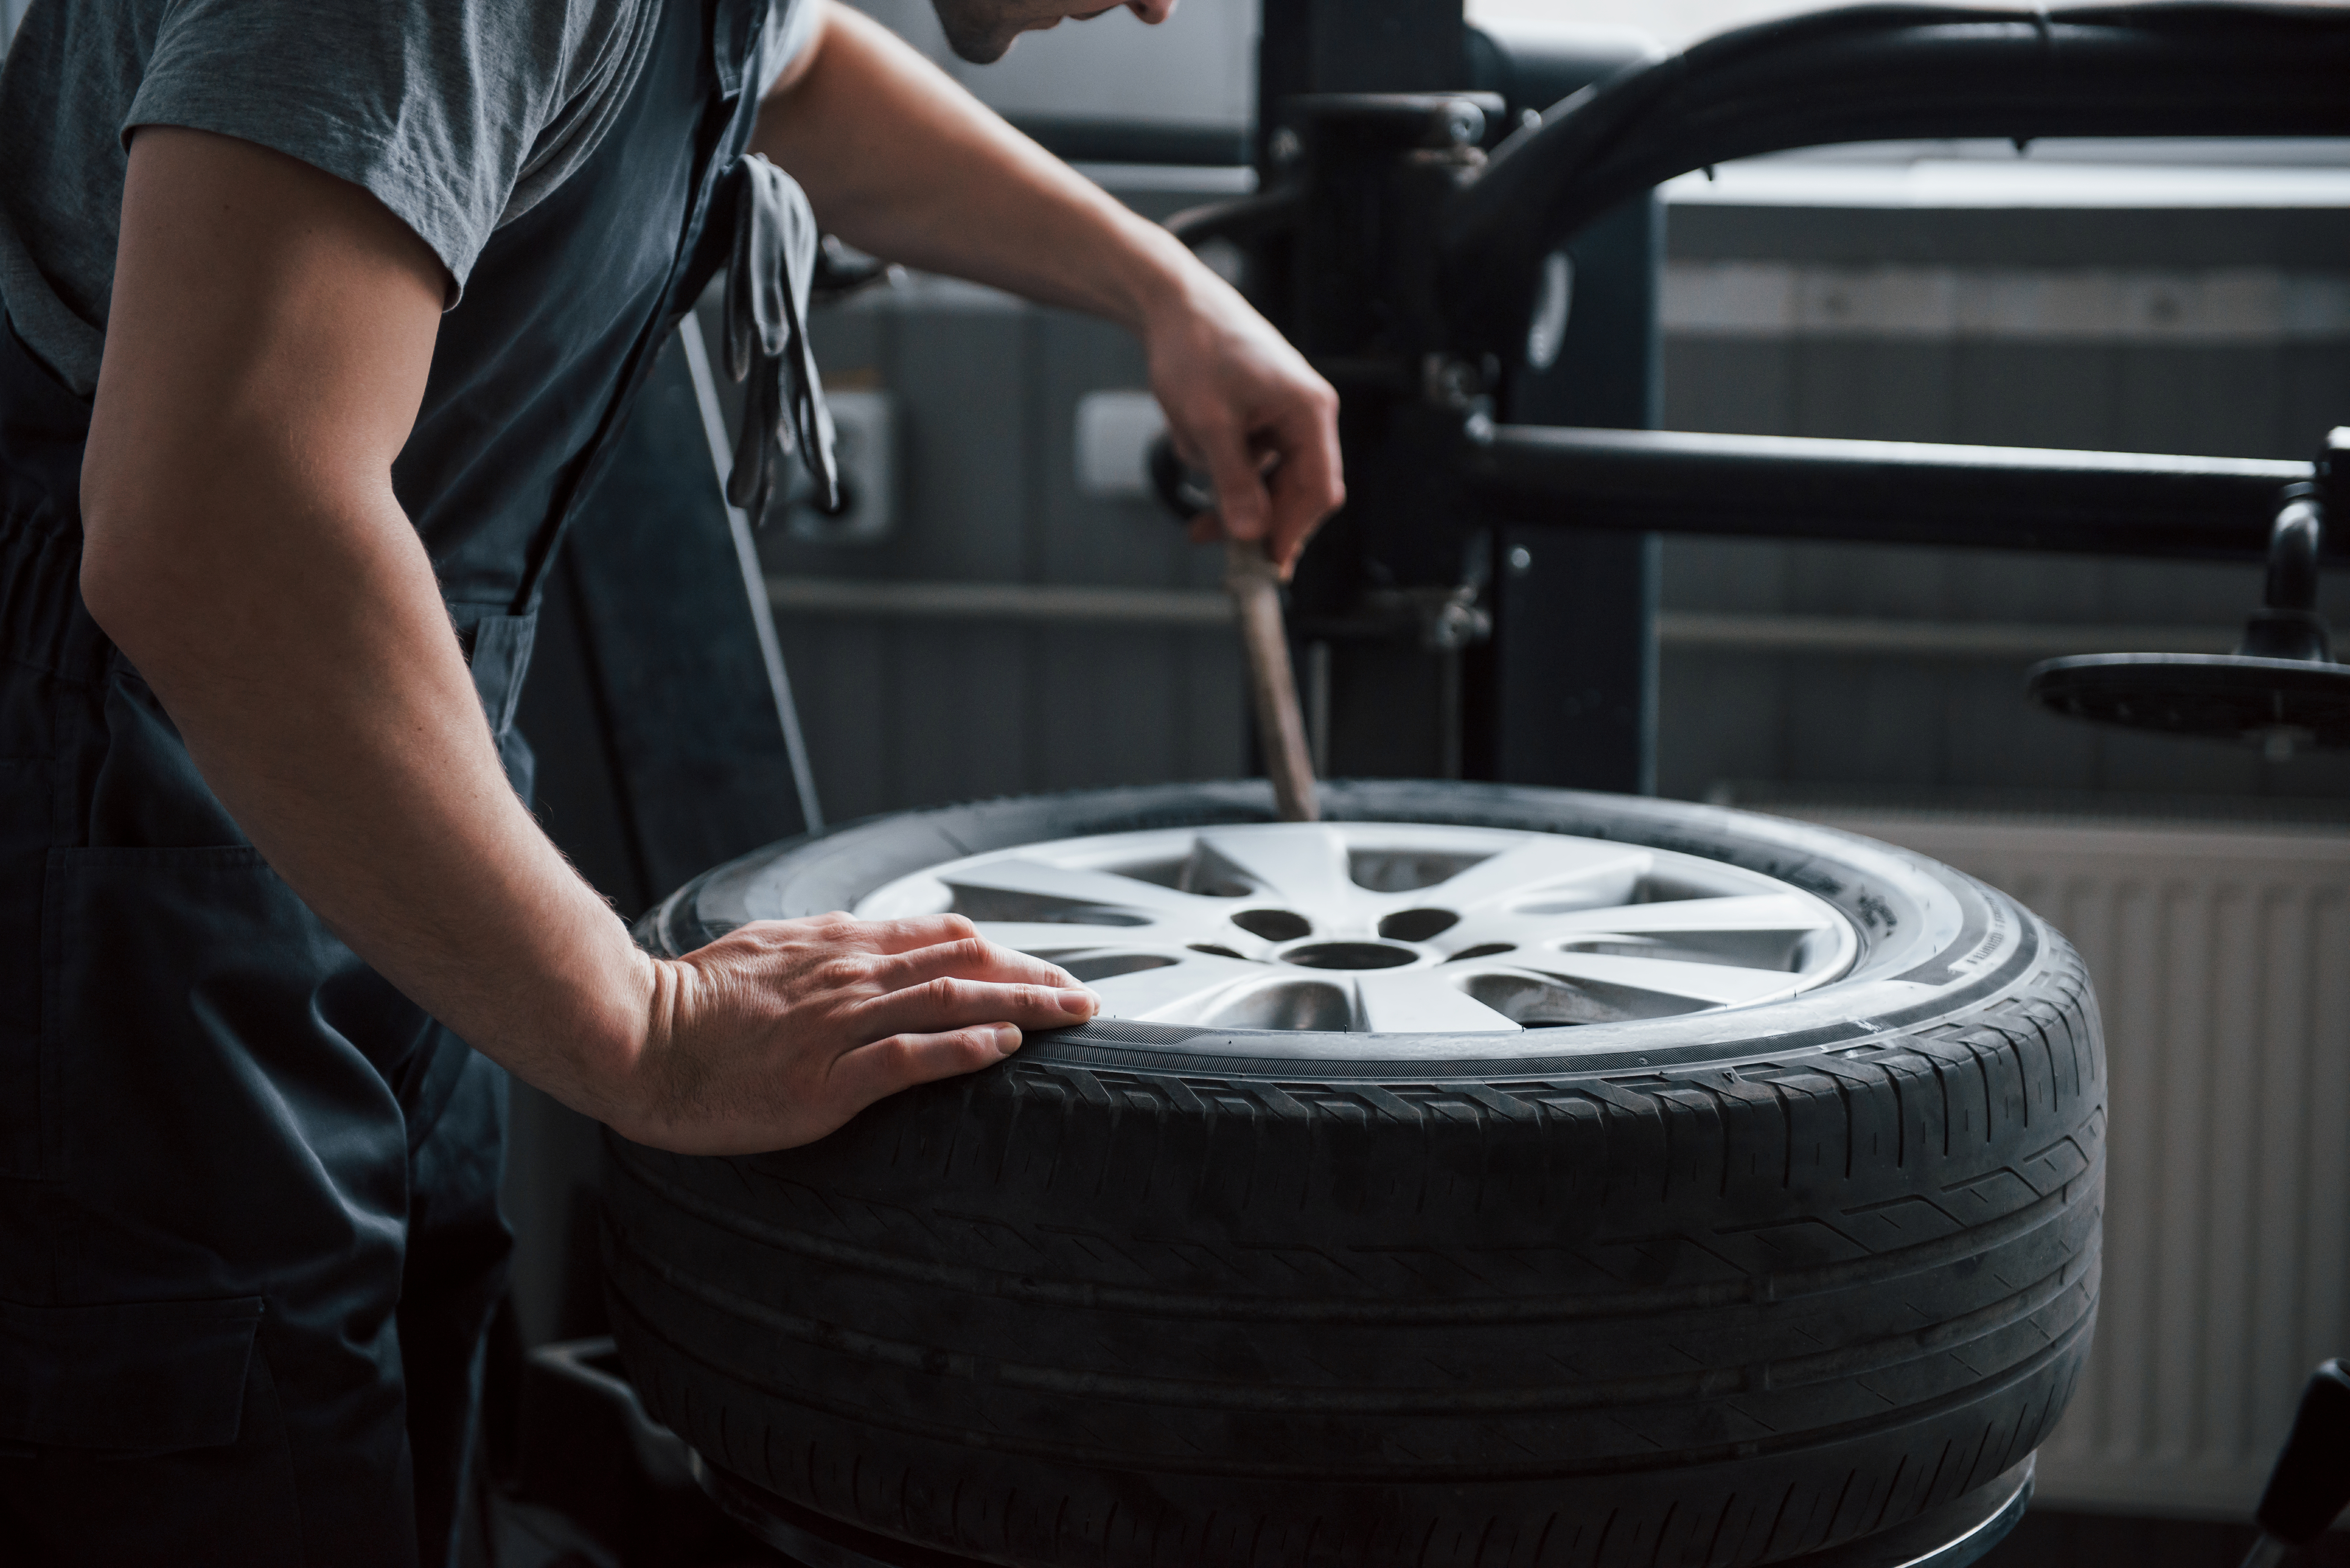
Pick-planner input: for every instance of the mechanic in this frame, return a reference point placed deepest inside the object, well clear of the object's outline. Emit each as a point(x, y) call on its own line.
point(317, 318)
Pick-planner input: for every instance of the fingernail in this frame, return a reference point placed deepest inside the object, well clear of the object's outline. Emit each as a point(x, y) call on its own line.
point(1007, 1039)
point(1081, 1004)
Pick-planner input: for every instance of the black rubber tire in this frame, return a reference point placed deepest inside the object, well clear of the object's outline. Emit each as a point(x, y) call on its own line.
point(1720, 1289)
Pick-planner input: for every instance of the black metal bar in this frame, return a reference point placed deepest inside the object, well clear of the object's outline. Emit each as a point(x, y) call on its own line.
point(1573, 662)
point(1891, 492)
point(1345, 45)
point(1136, 142)
point(1887, 72)
point(1239, 221)
point(1318, 263)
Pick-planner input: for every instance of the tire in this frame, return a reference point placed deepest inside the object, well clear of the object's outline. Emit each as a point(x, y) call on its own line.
point(1722, 1288)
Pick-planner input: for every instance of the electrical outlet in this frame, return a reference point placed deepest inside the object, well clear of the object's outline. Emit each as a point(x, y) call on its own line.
point(1115, 430)
point(865, 442)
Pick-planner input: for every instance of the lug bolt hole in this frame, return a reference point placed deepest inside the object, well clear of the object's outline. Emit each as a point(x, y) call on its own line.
point(1274, 925)
point(1417, 925)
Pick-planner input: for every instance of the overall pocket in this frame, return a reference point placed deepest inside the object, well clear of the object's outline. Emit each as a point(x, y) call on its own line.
point(157, 1376)
point(223, 1072)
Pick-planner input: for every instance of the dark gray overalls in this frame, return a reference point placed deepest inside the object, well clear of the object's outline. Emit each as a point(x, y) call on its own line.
point(249, 1234)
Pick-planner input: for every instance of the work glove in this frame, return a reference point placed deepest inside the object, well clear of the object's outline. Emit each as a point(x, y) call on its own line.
point(768, 343)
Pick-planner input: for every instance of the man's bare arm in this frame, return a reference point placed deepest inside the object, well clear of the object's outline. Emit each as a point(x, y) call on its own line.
point(898, 159)
point(266, 352)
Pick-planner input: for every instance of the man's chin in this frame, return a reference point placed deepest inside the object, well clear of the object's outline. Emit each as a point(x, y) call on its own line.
point(981, 43)
point(982, 49)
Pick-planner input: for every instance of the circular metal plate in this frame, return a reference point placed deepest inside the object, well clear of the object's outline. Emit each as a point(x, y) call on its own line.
point(2283, 702)
point(1390, 928)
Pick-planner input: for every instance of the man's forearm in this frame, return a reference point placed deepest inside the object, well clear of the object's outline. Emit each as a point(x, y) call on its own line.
point(363, 771)
point(900, 161)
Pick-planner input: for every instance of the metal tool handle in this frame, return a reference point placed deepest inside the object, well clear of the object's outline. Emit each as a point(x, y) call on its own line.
point(1254, 584)
point(1255, 587)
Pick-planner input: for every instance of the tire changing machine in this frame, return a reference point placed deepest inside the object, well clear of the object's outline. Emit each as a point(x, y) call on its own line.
point(1460, 228)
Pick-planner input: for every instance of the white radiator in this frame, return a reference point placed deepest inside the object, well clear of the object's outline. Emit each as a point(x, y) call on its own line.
point(2221, 957)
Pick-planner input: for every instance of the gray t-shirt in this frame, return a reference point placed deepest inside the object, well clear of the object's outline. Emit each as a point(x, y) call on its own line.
point(458, 115)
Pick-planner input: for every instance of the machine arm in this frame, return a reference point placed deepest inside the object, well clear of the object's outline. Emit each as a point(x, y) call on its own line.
point(1883, 72)
point(1786, 487)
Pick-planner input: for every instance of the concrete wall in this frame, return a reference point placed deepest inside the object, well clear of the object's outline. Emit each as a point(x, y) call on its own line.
point(1197, 68)
point(904, 713)
point(2159, 332)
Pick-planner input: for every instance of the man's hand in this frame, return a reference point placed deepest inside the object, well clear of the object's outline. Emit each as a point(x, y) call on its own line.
point(778, 1033)
point(898, 159)
point(1244, 406)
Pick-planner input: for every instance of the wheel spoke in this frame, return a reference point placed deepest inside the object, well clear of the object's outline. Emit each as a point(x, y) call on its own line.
point(1564, 868)
point(1303, 867)
point(1495, 928)
point(1035, 890)
point(1177, 991)
point(1751, 912)
point(1698, 984)
point(1536, 1001)
point(1419, 1002)
point(1278, 999)
point(1758, 931)
point(1049, 937)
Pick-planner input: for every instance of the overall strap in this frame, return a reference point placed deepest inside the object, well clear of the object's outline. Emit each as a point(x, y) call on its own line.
point(740, 39)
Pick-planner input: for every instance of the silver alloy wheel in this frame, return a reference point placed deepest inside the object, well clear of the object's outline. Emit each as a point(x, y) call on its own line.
point(1390, 928)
